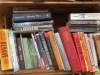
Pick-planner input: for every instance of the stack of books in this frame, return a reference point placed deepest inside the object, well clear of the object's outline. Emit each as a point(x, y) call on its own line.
point(31, 19)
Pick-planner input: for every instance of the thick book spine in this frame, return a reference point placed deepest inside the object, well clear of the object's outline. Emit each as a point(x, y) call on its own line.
point(13, 50)
point(51, 51)
point(41, 57)
point(79, 50)
point(70, 49)
point(33, 23)
point(90, 53)
point(46, 50)
point(20, 52)
point(33, 27)
point(87, 52)
point(55, 50)
point(62, 53)
point(92, 46)
point(31, 16)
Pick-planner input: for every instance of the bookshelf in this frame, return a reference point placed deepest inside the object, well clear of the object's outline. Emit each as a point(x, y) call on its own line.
point(59, 7)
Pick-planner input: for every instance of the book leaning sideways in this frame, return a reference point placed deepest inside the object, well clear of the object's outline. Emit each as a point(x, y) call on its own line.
point(6, 61)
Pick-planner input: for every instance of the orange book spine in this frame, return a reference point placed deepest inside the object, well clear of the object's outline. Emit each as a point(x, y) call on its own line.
point(55, 50)
point(4, 50)
point(87, 53)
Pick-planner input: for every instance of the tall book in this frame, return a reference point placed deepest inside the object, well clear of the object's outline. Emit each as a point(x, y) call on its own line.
point(4, 51)
point(79, 50)
point(70, 49)
point(46, 50)
point(62, 53)
point(20, 53)
point(51, 51)
point(26, 54)
point(33, 54)
point(87, 52)
point(14, 53)
point(92, 46)
point(55, 50)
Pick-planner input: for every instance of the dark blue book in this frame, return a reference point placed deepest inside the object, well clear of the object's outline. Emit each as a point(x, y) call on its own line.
point(28, 17)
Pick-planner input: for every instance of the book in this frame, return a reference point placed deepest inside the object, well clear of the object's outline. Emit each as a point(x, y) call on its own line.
point(55, 50)
point(33, 27)
point(46, 64)
point(92, 46)
point(70, 48)
point(36, 23)
point(98, 72)
point(85, 30)
point(46, 49)
point(87, 52)
point(33, 54)
point(20, 53)
point(90, 53)
point(26, 53)
point(55, 65)
point(85, 16)
point(4, 51)
point(62, 53)
point(31, 16)
point(41, 57)
point(13, 50)
point(77, 42)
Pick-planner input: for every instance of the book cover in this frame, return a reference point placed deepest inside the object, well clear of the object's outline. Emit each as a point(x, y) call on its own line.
point(13, 50)
point(46, 49)
point(70, 48)
point(26, 54)
point(33, 54)
point(55, 65)
point(31, 16)
point(55, 50)
point(87, 52)
point(77, 42)
point(20, 53)
point(62, 53)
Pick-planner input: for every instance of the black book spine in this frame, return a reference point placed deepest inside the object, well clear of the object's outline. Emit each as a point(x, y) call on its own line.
point(20, 52)
point(51, 51)
point(46, 50)
point(31, 16)
point(43, 52)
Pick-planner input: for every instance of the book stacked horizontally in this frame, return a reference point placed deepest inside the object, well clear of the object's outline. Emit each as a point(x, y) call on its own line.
point(31, 19)
point(86, 22)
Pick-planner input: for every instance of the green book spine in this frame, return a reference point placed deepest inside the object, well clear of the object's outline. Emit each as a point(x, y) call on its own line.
point(26, 54)
point(33, 54)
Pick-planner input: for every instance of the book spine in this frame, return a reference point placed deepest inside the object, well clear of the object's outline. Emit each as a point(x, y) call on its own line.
point(41, 57)
point(13, 50)
point(83, 50)
point(70, 48)
point(79, 50)
point(55, 50)
point(51, 51)
point(31, 17)
point(20, 52)
point(87, 52)
point(33, 23)
point(62, 53)
point(46, 50)
point(92, 46)
point(33, 27)
point(90, 53)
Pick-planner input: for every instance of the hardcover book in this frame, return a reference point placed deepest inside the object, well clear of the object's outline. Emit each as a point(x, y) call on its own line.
point(70, 49)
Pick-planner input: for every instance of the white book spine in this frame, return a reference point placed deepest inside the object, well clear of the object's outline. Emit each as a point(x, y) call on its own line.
point(14, 54)
point(90, 53)
point(85, 16)
point(62, 53)
point(92, 46)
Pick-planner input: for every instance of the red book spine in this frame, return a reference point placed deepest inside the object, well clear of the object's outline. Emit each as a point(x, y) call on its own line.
point(70, 49)
point(79, 50)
